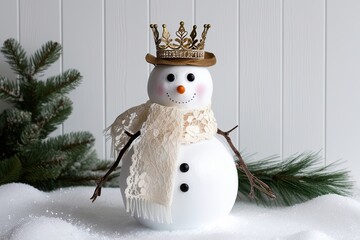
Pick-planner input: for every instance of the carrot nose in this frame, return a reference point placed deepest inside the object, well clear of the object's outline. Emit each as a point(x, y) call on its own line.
point(180, 89)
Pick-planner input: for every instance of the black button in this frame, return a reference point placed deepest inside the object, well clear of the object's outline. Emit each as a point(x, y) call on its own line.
point(184, 187)
point(184, 167)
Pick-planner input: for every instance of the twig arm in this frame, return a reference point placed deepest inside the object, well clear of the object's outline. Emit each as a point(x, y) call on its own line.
point(102, 180)
point(254, 181)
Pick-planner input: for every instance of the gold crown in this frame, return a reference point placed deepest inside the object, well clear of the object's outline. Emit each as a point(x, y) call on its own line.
point(183, 46)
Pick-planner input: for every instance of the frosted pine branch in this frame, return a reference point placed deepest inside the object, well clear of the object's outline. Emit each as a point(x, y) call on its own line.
point(9, 89)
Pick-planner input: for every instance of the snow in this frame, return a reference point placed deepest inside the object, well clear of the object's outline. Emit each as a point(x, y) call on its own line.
point(27, 213)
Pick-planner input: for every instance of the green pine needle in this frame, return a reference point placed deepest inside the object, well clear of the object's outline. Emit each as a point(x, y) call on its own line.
point(297, 179)
point(16, 57)
point(42, 173)
point(45, 56)
point(10, 170)
point(14, 122)
point(53, 113)
point(71, 142)
point(9, 90)
point(61, 84)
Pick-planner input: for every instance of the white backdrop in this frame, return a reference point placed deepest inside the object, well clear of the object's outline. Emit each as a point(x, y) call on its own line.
point(288, 71)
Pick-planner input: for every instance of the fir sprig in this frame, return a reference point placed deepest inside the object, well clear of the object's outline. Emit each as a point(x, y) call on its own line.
point(9, 90)
point(27, 152)
point(45, 56)
point(53, 113)
point(61, 84)
point(16, 57)
point(10, 170)
point(297, 179)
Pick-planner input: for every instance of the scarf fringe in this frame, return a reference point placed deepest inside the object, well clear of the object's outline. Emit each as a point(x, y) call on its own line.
point(148, 209)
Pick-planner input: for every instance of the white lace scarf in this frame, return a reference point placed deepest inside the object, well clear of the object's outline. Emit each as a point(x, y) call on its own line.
point(150, 184)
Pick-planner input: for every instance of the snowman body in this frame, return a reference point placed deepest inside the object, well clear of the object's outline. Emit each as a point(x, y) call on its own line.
point(205, 178)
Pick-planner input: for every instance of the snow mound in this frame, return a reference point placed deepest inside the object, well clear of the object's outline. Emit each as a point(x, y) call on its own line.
point(48, 228)
point(27, 213)
point(307, 235)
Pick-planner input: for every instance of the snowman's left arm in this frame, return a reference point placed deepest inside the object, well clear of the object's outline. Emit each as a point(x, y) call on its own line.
point(254, 181)
point(102, 180)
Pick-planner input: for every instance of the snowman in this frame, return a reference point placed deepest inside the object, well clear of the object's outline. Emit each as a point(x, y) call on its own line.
point(175, 174)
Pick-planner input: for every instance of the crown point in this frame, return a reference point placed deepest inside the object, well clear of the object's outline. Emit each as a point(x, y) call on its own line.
point(182, 23)
point(164, 25)
point(194, 27)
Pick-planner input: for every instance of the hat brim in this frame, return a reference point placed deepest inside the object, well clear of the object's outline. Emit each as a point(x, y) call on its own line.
point(209, 60)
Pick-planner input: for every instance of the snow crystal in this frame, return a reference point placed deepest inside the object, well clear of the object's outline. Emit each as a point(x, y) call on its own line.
point(27, 213)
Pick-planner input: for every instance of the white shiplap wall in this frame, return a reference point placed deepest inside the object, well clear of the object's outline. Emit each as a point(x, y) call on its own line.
point(288, 71)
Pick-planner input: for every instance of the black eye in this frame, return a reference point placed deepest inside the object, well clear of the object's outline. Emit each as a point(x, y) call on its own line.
point(170, 77)
point(191, 77)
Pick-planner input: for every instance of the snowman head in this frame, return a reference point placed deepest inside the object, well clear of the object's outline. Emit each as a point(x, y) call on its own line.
point(187, 87)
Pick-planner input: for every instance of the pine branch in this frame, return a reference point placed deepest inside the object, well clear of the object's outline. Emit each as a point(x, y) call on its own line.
point(13, 122)
point(61, 84)
point(27, 154)
point(53, 113)
point(297, 179)
point(90, 172)
point(10, 170)
point(30, 134)
point(41, 154)
point(45, 56)
point(75, 145)
point(16, 57)
point(31, 99)
point(84, 172)
point(45, 170)
point(47, 165)
point(9, 90)
point(72, 141)
point(16, 117)
point(87, 178)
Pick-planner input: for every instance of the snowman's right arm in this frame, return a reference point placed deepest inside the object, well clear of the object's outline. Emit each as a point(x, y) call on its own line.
point(102, 180)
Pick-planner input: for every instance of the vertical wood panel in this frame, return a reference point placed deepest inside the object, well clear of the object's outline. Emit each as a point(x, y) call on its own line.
point(343, 84)
point(83, 50)
point(37, 27)
point(8, 26)
point(39, 23)
point(170, 12)
point(221, 40)
point(303, 76)
point(260, 76)
point(126, 46)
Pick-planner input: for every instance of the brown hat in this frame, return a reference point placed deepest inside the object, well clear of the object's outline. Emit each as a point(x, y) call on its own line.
point(184, 51)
